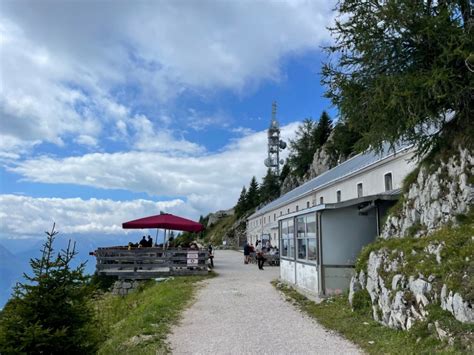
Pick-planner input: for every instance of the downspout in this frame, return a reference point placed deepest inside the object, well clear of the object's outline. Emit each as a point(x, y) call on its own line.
point(320, 253)
point(377, 213)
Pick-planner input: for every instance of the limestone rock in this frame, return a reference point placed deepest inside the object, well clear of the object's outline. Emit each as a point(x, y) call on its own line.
point(462, 310)
point(354, 286)
point(435, 199)
point(419, 286)
point(395, 281)
point(320, 163)
point(215, 217)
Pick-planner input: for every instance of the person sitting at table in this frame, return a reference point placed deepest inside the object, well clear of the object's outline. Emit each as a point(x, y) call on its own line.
point(143, 243)
point(149, 241)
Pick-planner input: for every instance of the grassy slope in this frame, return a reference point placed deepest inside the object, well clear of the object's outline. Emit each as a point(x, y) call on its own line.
point(151, 311)
point(215, 233)
point(360, 328)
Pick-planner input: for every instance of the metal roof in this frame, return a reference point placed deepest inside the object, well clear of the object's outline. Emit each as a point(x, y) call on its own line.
point(349, 167)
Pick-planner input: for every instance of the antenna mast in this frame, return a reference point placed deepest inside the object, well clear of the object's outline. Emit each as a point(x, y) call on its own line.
point(274, 144)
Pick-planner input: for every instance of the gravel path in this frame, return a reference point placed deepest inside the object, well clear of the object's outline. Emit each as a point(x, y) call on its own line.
point(240, 312)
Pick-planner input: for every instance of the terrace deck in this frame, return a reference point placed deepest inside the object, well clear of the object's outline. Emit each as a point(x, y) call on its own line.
point(148, 263)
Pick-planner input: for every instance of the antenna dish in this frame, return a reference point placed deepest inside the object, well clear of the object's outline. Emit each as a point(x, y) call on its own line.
point(282, 144)
point(267, 162)
point(282, 161)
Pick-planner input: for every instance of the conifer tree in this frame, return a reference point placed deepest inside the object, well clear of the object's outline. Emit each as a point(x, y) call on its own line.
point(302, 148)
point(50, 312)
point(342, 144)
point(285, 171)
point(242, 206)
point(270, 187)
point(253, 194)
point(403, 70)
point(322, 130)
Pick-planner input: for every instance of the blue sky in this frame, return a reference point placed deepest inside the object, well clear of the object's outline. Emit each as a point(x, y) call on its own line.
point(115, 110)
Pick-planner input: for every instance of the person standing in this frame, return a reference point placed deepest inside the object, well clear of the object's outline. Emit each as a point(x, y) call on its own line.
point(260, 258)
point(246, 252)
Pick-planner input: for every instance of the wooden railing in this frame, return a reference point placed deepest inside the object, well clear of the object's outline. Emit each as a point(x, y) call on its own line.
point(147, 263)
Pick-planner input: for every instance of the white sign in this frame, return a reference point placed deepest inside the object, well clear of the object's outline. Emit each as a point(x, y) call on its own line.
point(193, 258)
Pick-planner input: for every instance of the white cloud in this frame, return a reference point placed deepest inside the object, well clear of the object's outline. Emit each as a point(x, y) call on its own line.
point(23, 216)
point(148, 138)
point(210, 181)
point(66, 66)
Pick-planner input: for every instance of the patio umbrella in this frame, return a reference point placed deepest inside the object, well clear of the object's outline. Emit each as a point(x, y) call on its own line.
point(165, 221)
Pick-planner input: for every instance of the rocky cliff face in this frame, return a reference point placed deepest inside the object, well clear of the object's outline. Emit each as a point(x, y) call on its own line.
point(424, 257)
point(213, 218)
point(320, 164)
point(434, 198)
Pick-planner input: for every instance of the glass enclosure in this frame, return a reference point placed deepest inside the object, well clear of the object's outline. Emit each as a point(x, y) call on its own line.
point(299, 232)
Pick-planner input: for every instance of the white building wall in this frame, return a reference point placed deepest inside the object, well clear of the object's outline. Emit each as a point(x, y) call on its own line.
point(307, 277)
point(287, 270)
point(373, 181)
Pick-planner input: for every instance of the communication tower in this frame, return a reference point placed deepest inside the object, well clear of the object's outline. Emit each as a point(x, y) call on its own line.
point(273, 160)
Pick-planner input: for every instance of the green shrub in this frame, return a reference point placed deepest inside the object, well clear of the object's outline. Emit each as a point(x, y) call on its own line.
point(51, 312)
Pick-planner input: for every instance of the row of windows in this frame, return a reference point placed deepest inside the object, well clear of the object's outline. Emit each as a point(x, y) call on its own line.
point(360, 193)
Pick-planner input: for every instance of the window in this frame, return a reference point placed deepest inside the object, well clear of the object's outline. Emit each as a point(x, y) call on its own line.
point(287, 238)
point(338, 194)
point(274, 216)
point(297, 208)
point(388, 182)
point(281, 212)
point(306, 237)
point(264, 219)
point(321, 200)
point(288, 210)
point(307, 204)
point(360, 191)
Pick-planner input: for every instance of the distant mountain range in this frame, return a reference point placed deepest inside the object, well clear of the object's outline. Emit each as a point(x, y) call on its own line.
point(16, 254)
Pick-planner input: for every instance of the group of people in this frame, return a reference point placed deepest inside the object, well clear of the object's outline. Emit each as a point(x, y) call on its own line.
point(260, 249)
point(143, 243)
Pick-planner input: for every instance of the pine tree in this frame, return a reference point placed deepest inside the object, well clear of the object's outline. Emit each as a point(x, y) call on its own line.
point(402, 70)
point(322, 131)
point(50, 312)
point(342, 144)
point(302, 148)
point(253, 194)
point(270, 187)
point(242, 206)
point(285, 171)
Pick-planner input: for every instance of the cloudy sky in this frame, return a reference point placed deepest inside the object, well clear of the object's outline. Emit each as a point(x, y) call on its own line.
point(114, 110)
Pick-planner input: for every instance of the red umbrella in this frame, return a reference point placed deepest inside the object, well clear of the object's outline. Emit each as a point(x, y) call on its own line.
point(165, 221)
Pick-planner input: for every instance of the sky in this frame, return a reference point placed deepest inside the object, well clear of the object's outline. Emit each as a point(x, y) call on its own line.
point(115, 110)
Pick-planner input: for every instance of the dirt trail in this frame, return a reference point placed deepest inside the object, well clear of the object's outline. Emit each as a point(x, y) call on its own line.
point(240, 312)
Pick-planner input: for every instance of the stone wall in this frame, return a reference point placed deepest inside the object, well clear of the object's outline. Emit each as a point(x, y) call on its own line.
point(124, 287)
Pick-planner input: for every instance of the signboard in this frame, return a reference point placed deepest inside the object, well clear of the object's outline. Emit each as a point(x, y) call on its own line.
point(193, 257)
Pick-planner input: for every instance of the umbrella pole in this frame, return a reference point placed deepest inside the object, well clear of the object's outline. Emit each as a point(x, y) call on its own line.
point(156, 237)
